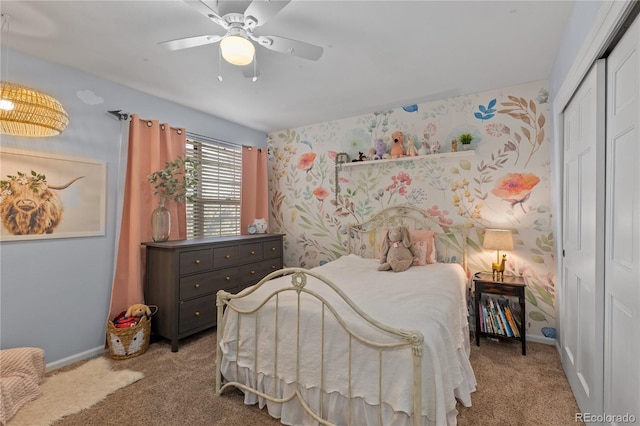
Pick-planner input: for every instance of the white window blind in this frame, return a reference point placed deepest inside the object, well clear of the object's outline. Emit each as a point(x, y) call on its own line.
point(216, 209)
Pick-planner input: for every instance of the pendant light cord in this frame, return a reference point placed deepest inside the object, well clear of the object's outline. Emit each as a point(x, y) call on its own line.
point(5, 22)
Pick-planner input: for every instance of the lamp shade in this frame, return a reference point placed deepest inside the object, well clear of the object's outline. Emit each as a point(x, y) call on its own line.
point(498, 239)
point(237, 50)
point(29, 112)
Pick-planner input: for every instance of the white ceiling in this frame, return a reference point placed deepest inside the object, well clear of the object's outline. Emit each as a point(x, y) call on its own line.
point(377, 54)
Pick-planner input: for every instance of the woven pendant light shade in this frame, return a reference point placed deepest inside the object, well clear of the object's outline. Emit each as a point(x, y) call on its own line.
point(34, 114)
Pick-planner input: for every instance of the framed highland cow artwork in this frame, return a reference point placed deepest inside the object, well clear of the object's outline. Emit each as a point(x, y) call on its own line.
point(44, 195)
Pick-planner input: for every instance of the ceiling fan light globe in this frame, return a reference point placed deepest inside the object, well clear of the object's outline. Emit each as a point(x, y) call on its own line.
point(237, 50)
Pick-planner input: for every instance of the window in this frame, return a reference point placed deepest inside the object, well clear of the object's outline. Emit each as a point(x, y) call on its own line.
point(216, 209)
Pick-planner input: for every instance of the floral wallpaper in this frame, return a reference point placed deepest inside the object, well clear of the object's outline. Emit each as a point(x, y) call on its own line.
point(503, 181)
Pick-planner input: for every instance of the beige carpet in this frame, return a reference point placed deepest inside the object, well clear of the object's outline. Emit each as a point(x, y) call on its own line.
point(178, 389)
point(66, 392)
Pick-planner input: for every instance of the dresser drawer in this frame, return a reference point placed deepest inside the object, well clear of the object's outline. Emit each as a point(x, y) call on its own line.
point(197, 313)
point(272, 249)
point(209, 282)
point(225, 256)
point(227, 279)
point(250, 252)
point(195, 261)
point(270, 265)
point(251, 273)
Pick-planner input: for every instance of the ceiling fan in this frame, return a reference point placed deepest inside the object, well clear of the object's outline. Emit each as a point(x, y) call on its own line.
point(236, 44)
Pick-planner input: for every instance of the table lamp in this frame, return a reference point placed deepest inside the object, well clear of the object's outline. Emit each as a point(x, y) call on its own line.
point(498, 239)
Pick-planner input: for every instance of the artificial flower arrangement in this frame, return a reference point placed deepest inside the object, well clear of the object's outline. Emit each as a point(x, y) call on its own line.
point(176, 181)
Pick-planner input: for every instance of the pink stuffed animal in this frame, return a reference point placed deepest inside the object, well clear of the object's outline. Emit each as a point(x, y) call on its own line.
point(397, 150)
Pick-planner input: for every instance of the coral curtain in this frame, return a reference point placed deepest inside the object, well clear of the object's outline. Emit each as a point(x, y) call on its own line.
point(151, 145)
point(254, 192)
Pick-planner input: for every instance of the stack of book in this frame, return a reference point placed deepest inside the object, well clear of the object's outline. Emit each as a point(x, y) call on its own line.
point(497, 317)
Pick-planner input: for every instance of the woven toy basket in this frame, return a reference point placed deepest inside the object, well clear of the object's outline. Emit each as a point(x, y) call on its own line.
point(129, 342)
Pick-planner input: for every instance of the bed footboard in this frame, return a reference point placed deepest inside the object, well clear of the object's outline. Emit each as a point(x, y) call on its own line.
point(292, 283)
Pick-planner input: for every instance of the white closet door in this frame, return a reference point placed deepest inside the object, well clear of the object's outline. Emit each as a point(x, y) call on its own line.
point(622, 250)
point(583, 240)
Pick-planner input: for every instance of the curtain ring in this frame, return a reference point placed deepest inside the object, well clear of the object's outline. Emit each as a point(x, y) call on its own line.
point(162, 126)
point(149, 123)
point(179, 131)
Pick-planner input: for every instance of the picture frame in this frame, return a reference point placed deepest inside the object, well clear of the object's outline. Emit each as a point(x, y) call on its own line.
point(46, 196)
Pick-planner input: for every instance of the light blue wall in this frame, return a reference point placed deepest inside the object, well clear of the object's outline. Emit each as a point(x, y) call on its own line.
point(54, 294)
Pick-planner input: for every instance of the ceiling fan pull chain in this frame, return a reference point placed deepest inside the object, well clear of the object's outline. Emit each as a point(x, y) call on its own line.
point(219, 63)
point(255, 68)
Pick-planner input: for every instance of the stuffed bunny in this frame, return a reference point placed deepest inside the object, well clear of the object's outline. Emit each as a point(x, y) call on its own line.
point(138, 310)
point(397, 250)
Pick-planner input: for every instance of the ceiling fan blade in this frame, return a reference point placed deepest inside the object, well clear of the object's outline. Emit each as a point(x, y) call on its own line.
point(289, 46)
point(262, 10)
point(202, 7)
point(185, 43)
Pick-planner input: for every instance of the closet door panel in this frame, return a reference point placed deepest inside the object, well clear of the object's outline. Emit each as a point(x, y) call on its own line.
point(622, 249)
point(583, 240)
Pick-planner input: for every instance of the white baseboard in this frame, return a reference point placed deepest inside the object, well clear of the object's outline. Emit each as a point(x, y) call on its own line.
point(541, 339)
point(91, 353)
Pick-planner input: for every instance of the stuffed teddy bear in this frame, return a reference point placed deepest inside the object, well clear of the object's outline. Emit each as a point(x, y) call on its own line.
point(138, 310)
point(397, 150)
point(397, 250)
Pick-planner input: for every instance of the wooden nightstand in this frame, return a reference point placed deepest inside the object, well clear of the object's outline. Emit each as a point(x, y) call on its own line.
point(511, 286)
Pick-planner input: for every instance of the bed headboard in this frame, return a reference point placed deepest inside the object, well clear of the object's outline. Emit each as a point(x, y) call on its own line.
point(364, 239)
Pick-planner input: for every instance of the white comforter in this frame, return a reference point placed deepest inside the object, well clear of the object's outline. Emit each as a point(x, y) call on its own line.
point(429, 298)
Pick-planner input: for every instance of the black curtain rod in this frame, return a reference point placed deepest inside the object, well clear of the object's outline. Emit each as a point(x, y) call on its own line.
point(120, 115)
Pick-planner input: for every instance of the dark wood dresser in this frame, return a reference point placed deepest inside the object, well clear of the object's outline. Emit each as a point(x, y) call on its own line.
point(183, 277)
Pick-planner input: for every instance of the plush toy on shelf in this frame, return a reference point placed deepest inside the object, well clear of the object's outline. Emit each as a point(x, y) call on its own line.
point(424, 149)
point(397, 150)
point(361, 157)
point(411, 147)
point(434, 147)
point(381, 149)
point(372, 154)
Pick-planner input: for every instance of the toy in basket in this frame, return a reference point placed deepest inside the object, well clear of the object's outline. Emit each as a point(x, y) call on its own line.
point(129, 333)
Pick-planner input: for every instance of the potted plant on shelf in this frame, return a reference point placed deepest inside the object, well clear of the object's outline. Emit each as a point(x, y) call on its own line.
point(465, 139)
point(176, 182)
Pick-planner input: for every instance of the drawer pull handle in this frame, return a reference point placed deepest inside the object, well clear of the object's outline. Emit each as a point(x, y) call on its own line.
point(227, 257)
point(273, 249)
point(197, 261)
point(227, 278)
point(197, 285)
point(196, 313)
point(253, 272)
point(273, 266)
point(252, 252)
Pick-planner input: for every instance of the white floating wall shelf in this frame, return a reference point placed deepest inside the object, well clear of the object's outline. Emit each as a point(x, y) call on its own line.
point(443, 155)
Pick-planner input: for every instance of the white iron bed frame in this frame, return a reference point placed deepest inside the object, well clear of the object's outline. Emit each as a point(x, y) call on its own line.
point(410, 340)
